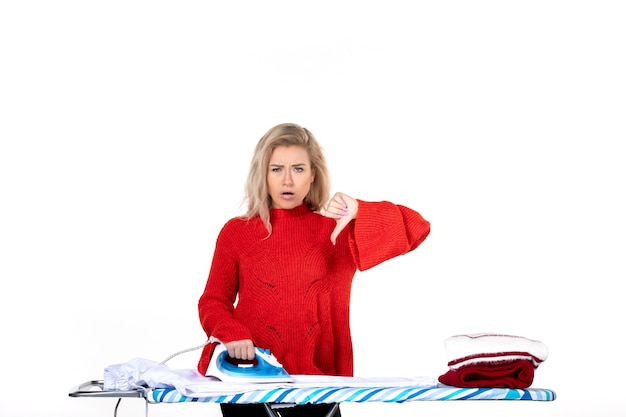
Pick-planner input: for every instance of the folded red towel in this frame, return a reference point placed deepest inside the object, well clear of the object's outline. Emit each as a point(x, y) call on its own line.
point(517, 374)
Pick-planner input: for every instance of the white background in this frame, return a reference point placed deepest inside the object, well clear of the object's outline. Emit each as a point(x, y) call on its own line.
point(127, 128)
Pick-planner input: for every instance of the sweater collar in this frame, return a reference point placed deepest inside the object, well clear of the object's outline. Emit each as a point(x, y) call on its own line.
point(278, 213)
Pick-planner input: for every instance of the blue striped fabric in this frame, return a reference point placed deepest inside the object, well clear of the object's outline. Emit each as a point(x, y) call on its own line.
point(351, 394)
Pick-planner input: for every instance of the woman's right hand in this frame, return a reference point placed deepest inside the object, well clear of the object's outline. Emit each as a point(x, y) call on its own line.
point(240, 349)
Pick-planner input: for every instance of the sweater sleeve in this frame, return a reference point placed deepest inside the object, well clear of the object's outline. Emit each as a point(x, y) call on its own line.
point(383, 230)
point(216, 304)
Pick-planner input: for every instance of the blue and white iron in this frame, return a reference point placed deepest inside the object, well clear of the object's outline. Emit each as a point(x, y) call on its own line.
point(263, 368)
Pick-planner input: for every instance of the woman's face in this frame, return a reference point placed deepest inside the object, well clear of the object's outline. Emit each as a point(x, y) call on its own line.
point(289, 176)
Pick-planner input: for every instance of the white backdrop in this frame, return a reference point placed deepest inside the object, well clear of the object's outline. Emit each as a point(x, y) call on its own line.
point(127, 128)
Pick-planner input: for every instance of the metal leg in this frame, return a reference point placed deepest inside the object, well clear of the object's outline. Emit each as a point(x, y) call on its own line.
point(273, 410)
point(269, 410)
point(333, 411)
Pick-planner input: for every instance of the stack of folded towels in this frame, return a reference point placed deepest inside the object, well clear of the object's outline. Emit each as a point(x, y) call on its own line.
point(492, 360)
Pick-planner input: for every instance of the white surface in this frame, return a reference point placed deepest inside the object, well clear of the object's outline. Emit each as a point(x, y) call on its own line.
point(127, 128)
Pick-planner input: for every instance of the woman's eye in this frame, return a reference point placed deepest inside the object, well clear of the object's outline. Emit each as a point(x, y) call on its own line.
point(275, 169)
point(299, 169)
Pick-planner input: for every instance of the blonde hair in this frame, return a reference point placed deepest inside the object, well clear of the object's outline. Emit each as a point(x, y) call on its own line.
point(257, 194)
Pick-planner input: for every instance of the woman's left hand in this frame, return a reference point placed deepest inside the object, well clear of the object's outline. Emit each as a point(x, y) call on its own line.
point(342, 208)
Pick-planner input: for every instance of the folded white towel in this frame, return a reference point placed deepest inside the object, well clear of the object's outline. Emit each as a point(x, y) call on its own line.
point(481, 348)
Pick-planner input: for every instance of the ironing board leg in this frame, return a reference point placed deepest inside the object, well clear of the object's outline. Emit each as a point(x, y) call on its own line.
point(272, 413)
point(268, 409)
point(333, 411)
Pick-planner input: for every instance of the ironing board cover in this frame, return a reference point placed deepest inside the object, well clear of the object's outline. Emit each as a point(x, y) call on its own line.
point(361, 394)
point(160, 384)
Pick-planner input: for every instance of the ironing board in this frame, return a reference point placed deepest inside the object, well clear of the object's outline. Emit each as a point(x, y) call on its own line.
point(276, 396)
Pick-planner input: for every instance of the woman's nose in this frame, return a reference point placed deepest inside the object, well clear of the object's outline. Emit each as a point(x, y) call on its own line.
point(287, 178)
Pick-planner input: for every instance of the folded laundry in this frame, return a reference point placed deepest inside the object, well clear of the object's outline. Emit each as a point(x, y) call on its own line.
point(492, 360)
point(493, 347)
point(517, 374)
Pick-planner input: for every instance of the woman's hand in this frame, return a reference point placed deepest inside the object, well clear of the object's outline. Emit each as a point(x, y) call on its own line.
point(240, 349)
point(342, 208)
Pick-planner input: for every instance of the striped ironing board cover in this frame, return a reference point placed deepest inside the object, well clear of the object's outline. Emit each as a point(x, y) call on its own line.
point(351, 394)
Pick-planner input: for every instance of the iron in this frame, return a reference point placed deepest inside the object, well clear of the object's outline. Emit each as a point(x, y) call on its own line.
point(263, 368)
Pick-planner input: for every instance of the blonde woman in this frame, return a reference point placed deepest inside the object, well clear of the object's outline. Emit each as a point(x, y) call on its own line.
point(281, 275)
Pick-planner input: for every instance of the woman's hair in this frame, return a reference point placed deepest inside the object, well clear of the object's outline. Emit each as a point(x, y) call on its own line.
point(286, 134)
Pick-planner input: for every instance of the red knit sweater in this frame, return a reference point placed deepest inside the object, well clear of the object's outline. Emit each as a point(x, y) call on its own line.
point(293, 288)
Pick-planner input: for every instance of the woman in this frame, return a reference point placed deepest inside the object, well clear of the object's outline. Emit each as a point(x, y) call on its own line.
point(281, 274)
